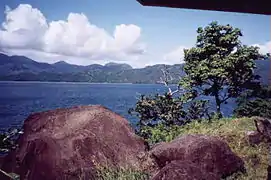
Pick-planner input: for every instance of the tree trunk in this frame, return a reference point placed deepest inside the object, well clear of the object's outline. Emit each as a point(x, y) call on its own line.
point(218, 106)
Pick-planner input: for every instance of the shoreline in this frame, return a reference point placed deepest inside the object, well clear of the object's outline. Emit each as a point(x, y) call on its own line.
point(77, 82)
point(59, 82)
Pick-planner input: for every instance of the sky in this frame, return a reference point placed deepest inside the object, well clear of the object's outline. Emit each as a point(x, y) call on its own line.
point(99, 31)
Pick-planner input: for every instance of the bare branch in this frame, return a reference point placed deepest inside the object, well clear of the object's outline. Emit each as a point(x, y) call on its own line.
point(165, 80)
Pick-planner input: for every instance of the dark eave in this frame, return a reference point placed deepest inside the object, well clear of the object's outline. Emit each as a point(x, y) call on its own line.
point(242, 6)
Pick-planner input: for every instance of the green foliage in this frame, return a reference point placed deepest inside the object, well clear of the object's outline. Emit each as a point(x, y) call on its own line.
point(262, 92)
point(159, 108)
point(160, 133)
point(256, 102)
point(7, 143)
point(257, 107)
point(160, 113)
point(8, 140)
point(197, 110)
point(219, 65)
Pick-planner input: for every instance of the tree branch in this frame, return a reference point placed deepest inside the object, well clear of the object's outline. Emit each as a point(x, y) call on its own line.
point(165, 80)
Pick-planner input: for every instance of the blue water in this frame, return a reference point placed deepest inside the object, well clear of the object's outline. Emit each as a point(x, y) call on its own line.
point(19, 99)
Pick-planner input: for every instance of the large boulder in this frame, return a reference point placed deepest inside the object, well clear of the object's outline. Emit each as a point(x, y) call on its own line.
point(183, 170)
point(211, 154)
point(72, 143)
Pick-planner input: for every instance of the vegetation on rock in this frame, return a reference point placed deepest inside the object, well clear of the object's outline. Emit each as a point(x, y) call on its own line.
point(232, 131)
point(220, 66)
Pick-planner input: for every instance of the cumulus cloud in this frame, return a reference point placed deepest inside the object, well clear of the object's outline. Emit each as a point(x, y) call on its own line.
point(176, 56)
point(26, 30)
point(264, 48)
point(23, 28)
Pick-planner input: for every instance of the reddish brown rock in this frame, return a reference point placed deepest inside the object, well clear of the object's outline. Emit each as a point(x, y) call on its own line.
point(183, 170)
point(1, 159)
point(254, 137)
point(209, 153)
point(63, 143)
point(263, 126)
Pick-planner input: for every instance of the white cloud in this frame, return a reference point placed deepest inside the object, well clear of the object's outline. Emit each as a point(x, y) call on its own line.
point(176, 56)
point(23, 28)
point(27, 32)
point(264, 48)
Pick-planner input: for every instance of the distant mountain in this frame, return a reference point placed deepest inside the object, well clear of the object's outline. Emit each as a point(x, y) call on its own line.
point(12, 65)
point(20, 68)
point(118, 66)
point(64, 67)
point(149, 74)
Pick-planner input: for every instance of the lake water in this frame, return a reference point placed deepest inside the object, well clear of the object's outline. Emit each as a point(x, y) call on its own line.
point(19, 99)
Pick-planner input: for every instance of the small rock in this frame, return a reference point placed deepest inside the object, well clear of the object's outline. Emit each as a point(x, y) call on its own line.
point(263, 126)
point(254, 137)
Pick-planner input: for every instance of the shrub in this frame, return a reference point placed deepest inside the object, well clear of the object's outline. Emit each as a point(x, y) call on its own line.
point(160, 114)
point(256, 102)
point(257, 107)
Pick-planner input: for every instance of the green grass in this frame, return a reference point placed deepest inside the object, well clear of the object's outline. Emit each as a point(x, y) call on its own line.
point(233, 132)
point(121, 174)
point(230, 130)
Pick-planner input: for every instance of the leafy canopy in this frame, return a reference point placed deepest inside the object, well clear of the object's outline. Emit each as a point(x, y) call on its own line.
point(219, 65)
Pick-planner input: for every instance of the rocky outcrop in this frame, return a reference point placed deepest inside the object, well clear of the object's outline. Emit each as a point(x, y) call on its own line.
point(263, 126)
point(71, 143)
point(210, 154)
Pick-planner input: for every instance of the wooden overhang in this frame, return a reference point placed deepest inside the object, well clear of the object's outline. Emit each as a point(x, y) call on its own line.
point(243, 6)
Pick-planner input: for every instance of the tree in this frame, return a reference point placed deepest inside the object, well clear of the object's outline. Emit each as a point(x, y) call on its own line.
point(219, 65)
point(164, 111)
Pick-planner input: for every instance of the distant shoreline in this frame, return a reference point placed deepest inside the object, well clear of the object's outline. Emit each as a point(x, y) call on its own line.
point(73, 82)
point(60, 82)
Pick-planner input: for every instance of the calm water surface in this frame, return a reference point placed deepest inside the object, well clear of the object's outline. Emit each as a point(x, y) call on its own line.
point(19, 99)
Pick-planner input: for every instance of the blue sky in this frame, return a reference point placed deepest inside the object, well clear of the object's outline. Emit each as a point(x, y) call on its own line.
point(150, 35)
